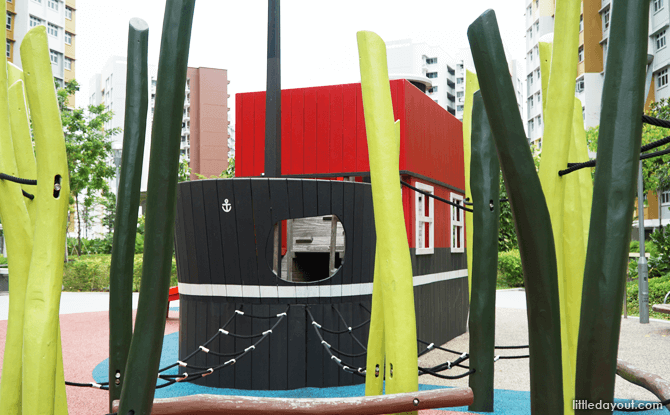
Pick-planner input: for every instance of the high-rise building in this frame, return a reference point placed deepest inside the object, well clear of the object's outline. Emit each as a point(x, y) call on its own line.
point(204, 138)
point(438, 73)
point(59, 17)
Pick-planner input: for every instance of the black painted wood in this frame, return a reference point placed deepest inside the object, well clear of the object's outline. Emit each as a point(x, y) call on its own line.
point(201, 244)
point(315, 352)
point(359, 229)
point(330, 369)
point(214, 243)
point(296, 349)
point(192, 263)
point(279, 352)
point(227, 375)
point(243, 365)
point(245, 232)
point(260, 359)
point(228, 226)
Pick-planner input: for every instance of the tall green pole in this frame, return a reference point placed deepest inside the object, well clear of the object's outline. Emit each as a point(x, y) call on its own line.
point(531, 216)
point(484, 185)
point(144, 357)
point(127, 205)
point(612, 211)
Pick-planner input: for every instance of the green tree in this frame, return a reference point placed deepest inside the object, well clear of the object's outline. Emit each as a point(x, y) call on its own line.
point(228, 173)
point(655, 171)
point(89, 151)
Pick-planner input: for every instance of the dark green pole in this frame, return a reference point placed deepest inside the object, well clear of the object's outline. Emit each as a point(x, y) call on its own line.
point(484, 182)
point(612, 212)
point(127, 205)
point(531, 216)
point(145, 349)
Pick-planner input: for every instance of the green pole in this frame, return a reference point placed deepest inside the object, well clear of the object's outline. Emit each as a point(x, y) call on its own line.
point(612, 211)
point(531, 216)
point(484, 184)
point(144, 356)
point(127, 205)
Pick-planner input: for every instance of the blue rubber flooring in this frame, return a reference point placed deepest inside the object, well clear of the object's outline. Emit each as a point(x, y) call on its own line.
point(506, 402)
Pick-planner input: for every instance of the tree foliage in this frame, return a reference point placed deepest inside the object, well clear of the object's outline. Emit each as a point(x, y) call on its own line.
point(229, 173)
point(89, 152)
point(655, 171)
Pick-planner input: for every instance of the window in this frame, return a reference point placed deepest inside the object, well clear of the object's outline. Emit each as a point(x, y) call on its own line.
point(665, 198)
point(539, 144)
point(580, 53)
point(68, 64)
point(530, 102)
point(53, 5)
point(431, 61)
point(9, 49)
point(54, 57)
point(660, 40)
point(68, 13)
point(539, 120)
point(432, 74)
point(34, 21)
point(153, 82)
point(658, 5)
point(579, 87)
point(530, 79)
point(459, 81)
point(433, 89)
point(457, 228)
point(581, 23)
point(529, 11)
point(424, 220)
point(38, 1)
point(606, 20)
point(459, 108)
point(537, 26)
point(52, 29)
point(662, 78)
point(9, 21)
point(537, 4)
point(530, 55)
point(537, 73)
point(459, 94)
point(530, 33)
point(68, 38)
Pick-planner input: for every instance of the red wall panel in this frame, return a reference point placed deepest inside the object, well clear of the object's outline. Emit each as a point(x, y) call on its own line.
point(336, 127)
point(296, 165)
point(259, 132)
point(285, 131)
point(349, 132)
point(323, 130)
point(309, 137)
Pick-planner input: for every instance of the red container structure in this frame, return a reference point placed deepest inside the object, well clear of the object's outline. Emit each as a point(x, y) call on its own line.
point(323, 137)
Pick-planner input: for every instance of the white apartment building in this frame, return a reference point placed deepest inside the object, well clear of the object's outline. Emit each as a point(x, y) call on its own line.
point(658, 39)
point(59, 19)
point(439, 74)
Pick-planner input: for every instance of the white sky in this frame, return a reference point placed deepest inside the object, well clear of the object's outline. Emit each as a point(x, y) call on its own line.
point(318, 38)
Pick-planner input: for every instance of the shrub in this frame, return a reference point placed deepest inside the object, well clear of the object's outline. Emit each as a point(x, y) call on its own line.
point(658, 288)
point(91, 273)
point(510, 271)
point(3, 260)
point(659, 263)
point(635, 246)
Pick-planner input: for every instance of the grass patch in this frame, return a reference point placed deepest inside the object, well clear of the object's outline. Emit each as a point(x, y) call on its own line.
point(91, 273)
point(658, 287)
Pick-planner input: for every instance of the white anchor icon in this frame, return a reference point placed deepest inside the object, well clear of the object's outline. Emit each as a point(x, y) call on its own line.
point(226, 206)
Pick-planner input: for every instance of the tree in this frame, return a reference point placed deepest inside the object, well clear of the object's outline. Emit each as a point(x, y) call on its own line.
point(655, 171)
point(228, 173)
point(89, 152)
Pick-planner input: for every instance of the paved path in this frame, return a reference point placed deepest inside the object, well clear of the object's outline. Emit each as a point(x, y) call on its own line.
point(644, 345)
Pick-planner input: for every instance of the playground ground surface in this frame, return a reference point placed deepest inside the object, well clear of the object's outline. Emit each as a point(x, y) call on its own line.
point(84, 326)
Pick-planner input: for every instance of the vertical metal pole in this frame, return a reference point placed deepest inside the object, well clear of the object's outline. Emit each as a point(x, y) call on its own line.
point(333, 244)
point(642, 276)
point(643, 271)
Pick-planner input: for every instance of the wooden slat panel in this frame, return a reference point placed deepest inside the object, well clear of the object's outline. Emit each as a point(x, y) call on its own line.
point(286, 123)
point(309, 201)
point(213, 325)
point(349, 133)
point(228, 226)
point(259, 133)
point(200, 233)
point(350, 232)
point(180, 240)
point(200, 328)
point(297, 132)
point(214, 243)
point(296, 348)
point(279, 351)
point(331, 371)
point(189, 233)
point(227, 374)
point(359, 230)
point(346, 342)
point(260, 379)
point(243, 365)
point(245, 232)
point(309, 160)
point(336, 128)
point(315, 352)
point(362, 160)
point(323, 130)
point(260, 192)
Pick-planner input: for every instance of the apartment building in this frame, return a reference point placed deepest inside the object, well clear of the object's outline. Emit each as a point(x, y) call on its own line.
point(204, 138)
point(59, 17)
point(438, 73)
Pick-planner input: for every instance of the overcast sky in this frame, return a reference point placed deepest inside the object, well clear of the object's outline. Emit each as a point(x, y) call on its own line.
point(318, 38)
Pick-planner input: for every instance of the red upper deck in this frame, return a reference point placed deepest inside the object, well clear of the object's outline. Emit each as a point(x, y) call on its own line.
point(323, 134)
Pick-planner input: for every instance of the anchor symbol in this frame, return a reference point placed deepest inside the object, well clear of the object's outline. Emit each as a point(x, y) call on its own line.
point(226, 206)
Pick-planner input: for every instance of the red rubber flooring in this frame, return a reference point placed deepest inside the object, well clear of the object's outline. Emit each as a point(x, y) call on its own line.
point(85, 339)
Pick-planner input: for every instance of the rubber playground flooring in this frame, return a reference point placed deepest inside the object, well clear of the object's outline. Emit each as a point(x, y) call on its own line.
point(85, 352)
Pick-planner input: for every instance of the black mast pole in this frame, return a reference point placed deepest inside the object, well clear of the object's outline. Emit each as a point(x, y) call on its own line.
point(273, 95)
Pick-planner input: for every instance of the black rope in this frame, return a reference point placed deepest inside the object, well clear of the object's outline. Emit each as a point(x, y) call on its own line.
point(432, 346)
point(646, 119)
point(435, 197)
point(511, 347)
point(350, 329)
point(18, 180)
point(327, 330)
point(525, 356)
point(28, 195)
point(427, 371)
point(658, 143)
